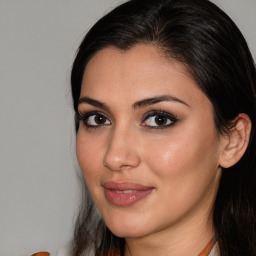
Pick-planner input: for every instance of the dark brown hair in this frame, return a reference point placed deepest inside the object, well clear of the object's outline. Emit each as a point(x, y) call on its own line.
point(203, 38)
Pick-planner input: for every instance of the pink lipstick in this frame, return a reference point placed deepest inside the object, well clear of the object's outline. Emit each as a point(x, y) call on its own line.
point(125, 193)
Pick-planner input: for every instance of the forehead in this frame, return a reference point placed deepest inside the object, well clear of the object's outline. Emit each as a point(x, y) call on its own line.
point(139, 59)
point(140, 72)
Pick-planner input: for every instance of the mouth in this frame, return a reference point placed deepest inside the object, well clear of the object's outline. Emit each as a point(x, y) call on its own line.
point(125, 194)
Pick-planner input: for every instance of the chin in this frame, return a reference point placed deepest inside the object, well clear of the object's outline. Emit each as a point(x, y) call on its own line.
point(128, 227)
point(128, 232)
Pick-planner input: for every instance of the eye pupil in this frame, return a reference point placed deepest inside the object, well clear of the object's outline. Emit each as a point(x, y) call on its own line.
point(100, 119)
point(160, 120)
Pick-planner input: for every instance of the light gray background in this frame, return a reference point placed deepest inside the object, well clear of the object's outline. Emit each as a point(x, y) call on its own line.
point(38, 186)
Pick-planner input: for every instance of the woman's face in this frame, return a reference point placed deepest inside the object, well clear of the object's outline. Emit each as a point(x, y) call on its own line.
point(147, 143)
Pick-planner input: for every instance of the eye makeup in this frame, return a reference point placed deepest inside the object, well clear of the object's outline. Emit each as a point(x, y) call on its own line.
point(93, 119)
point(158, 119)
point(154, 119)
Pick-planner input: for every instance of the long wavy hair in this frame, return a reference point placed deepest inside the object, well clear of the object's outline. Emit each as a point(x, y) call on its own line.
point(202, 37)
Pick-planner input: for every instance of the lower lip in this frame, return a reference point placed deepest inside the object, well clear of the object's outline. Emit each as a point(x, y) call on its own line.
point(125, 198)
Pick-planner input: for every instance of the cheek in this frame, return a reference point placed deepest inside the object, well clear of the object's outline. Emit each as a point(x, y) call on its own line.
point(88, 153)
point(185, 153)
point(185, 172)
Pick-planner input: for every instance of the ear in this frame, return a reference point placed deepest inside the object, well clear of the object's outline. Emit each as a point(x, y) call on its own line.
point(236, 141)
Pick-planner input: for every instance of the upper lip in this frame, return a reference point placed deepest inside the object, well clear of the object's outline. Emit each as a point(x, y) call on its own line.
point(122, 186)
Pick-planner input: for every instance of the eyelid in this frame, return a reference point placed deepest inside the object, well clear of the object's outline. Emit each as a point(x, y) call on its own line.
point(84, 109)
point(172, 118)
point(85, 116)
point(165, 114)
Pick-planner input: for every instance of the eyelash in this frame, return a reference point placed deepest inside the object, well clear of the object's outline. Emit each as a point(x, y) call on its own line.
point(84, 119)
point(169, 118)
point(160, 113)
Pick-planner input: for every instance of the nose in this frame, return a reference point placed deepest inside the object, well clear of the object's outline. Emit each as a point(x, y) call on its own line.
point(121, 152)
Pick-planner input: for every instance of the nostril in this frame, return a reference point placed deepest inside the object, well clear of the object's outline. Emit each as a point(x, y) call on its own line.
point(121, 151)
point(121, 160)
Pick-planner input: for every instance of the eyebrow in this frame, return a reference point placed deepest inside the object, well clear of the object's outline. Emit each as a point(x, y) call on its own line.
point(158, 99)
point(138, 104)
point(94, 103)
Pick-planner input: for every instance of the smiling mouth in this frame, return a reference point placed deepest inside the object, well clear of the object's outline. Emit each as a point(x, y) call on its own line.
point(125, 194)
point(125, 191)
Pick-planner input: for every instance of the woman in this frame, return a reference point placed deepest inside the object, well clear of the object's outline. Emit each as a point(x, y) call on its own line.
point(165, 99)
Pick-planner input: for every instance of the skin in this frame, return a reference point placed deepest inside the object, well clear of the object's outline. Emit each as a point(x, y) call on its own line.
point(181, 162)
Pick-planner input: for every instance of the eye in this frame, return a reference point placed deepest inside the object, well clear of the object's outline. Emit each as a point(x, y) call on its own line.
point(159, 119)
point(98, 119)
point(93, 119)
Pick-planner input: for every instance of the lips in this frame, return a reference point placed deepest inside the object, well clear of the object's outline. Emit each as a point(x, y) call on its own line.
point(125, 194)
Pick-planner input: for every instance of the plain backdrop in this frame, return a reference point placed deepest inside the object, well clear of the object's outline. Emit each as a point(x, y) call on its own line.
point(39, 191)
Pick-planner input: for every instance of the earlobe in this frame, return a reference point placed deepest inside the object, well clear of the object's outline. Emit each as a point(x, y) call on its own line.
point(236, 141)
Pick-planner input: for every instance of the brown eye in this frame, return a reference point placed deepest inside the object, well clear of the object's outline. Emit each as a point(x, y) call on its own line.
point(161, 120)
point(157, 120)
point(97, 120)
point(100, 119)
